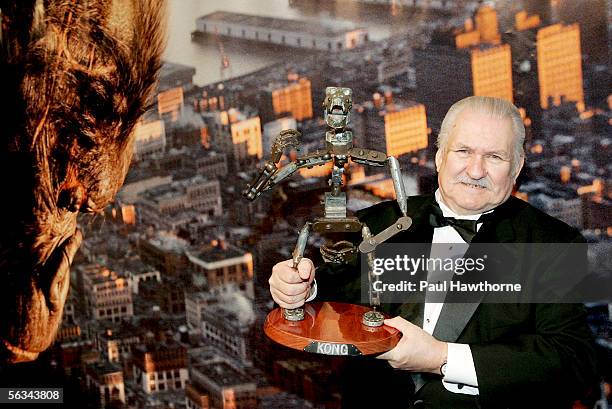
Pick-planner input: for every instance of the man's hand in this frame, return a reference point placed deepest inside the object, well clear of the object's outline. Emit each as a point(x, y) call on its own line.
point(417, 351)
point(290, 288)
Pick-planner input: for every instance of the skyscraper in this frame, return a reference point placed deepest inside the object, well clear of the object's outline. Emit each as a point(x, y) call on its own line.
point(485, 32)
point(406, 130)
point(295, 98)
point(492, 72)
point(560, 65)
point(246, 138)
point(486, 24)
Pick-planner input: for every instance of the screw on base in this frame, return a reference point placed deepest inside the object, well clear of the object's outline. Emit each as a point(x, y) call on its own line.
point(373, 319)
point(293, 314)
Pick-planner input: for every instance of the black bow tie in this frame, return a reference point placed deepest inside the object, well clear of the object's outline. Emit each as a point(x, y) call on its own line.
point(466, 228)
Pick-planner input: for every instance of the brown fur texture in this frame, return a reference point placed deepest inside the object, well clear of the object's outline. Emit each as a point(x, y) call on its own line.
point(75, 77)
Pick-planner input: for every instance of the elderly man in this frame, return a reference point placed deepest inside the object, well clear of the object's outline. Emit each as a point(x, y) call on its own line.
point(465, 355)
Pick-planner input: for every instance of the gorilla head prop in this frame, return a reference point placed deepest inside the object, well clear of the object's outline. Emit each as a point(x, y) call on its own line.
point(75, 75)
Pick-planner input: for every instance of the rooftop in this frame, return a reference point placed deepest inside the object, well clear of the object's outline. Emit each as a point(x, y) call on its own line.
point(219, 252)
point(125, 329)
point(299, 26)
point(168, 241)
point(173, 189)
point(170, 68)
point(133, 265)
point(222, 374)
point(103, 368)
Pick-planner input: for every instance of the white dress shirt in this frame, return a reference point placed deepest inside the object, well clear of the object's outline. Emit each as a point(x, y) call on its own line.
point(460, 371)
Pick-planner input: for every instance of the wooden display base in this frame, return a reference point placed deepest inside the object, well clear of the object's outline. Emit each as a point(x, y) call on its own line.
point(331, 328)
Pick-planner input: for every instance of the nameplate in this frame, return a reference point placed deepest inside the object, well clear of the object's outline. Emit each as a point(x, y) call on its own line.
point(332, 348)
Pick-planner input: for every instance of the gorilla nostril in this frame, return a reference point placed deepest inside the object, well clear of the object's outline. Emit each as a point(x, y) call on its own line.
point(72, 198)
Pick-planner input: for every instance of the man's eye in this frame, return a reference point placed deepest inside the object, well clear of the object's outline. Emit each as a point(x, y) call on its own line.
point(496, 157)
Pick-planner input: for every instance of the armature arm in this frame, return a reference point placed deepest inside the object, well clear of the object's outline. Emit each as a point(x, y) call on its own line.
point(369, 244)
point(271, 175)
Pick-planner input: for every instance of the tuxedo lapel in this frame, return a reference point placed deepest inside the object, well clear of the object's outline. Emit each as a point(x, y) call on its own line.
point(453, 319)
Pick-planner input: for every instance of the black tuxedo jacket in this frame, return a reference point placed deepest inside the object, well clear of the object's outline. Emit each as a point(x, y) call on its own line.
point(525, 355)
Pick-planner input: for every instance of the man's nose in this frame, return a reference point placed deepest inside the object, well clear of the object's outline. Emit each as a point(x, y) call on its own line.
point(476, 167)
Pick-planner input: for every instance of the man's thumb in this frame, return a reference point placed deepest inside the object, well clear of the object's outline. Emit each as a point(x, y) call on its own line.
point(305, 269)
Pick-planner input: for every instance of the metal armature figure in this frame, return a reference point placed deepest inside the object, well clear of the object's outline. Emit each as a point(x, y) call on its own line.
point(339, 149)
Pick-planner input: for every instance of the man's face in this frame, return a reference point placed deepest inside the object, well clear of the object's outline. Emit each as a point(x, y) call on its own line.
point(475, 174)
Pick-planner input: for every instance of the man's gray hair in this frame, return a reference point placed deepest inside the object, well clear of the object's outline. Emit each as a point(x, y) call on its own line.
point(496, 108)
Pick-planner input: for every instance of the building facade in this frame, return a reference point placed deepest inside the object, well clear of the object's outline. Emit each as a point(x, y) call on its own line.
point(211, 164)
point(290, 33)
point(197, 193)
point(149, 139)
point(294, 99)
point(246, 139)
point(117, 343)
point(560, 65)
point(226, 387)
point(222, 264)
point(105, 380)
point(492, 72)
point(170, 103)
point(405, 130)
point(108, 294)
point(160, 366)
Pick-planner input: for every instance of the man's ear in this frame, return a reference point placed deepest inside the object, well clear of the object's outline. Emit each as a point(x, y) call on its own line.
point(517, 171)
point(439, 159)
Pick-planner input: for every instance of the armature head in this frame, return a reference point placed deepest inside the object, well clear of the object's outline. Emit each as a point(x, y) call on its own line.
point(337, 106)
point(76, 76)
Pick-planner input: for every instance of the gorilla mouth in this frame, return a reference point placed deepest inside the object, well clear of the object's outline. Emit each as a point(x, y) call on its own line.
point(58, 267)
point(46, 304)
